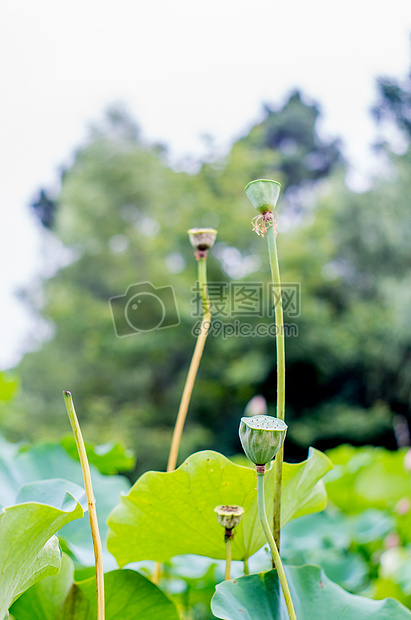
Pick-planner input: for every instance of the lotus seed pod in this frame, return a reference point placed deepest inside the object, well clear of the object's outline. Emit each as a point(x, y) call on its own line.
point(229, 516)
point(263, 194)
point(261, 437)
point(202, 239)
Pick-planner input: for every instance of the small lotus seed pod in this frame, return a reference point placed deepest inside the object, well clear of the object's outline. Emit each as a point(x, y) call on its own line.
point(261, 437)
point(202, 239)
point(229, 516)
point(263, 194)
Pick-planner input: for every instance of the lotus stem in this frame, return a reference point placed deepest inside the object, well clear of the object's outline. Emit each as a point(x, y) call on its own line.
point(270, 539)
point(191, 377)
point(228, 557)
point(279, 321)
point(95, 533)
point(195, 362)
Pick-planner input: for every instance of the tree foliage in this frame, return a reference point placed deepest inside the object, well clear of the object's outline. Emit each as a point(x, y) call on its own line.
point(291, 132)
point(123, 212)
point(394, 103)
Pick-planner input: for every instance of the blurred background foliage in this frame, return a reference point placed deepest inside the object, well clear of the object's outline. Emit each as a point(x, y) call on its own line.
point(362, 540)
point(121, 218)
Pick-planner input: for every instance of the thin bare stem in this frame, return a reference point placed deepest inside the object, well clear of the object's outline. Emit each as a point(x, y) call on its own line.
point(195, 362)
point(227, 558)
point(98, 551)
point(246, 569)
point(279, 321)
point(274, 550)
point(191, 377)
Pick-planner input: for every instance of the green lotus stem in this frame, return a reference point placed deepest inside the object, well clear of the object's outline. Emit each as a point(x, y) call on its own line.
point(228, 557)
point(246, 569)
point(279, 321)
point(270, 539)
point(191, 377)
point(95, 533)
point(195, 362)
point(228, 516)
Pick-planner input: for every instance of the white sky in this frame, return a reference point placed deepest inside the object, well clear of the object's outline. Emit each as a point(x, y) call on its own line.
point(184, 68)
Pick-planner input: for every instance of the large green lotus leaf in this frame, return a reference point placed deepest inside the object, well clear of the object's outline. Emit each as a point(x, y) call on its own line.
point(303, 490)
point(20, 466)
point(47, 562)
point(52, 492)
point(128, 596)
point(44, 600)
point(315, 597)
point(367, 478)
point(25, 530)
point(324, 539)
point(168, 514)
point(329, 539)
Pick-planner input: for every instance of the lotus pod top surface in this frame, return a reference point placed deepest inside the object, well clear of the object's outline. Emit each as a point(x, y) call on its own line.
point(202, 238)
point(261, 437)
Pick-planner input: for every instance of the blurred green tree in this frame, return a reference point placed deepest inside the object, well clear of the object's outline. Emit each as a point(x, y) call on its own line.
point(292, 132)
point(394, 103)
point(123, 214)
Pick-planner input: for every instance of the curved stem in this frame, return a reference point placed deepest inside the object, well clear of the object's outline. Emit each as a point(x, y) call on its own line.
point(98, 551)
point(279, 321)
point(276, 556)
point(228, 558)
point(195, 362)
point(191, 377)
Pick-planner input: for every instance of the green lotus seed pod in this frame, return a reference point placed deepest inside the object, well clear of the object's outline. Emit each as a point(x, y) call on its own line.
point(261, 437)
point(263, 194)
point(202, 239)
point(229, 516)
